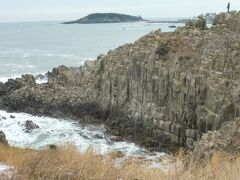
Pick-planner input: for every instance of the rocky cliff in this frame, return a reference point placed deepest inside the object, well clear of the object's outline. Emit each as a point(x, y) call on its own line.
point(164, 90)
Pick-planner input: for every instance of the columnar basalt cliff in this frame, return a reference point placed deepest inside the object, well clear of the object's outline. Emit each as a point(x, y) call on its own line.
point(164, 90)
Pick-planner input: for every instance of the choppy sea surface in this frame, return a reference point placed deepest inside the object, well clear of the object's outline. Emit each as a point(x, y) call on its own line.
point(40, 46)
point(37, 47)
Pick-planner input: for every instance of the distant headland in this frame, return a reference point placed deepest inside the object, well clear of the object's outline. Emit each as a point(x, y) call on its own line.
point(106, 18)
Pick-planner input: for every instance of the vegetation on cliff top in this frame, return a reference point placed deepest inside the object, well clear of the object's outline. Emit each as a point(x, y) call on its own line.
point(106, 18)
point(68, 163)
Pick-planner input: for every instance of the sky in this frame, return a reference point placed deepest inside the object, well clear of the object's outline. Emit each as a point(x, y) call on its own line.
point(51, 10)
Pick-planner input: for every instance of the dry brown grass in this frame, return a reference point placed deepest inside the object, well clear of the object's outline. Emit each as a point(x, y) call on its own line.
point(68, 163)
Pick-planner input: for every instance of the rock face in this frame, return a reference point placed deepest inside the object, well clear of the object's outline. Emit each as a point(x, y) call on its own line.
point(164, 90)
point(226, 139)
point(3, 89)
point(3, 139)
point(200, 23)
point(106, 18)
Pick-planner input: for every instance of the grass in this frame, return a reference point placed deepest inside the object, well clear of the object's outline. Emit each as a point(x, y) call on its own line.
point(67, 163)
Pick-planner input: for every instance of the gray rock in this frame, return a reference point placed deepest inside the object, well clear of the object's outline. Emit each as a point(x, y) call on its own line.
point(97, 136)
point(3, 139)
point(3, 89)
point(116, 138)
point(40, 77)
point(224, 140)
point(30, 126)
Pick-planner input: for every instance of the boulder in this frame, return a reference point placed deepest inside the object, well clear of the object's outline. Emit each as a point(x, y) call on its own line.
point(12, 117)
point(28, 79)
point(30, 126)
point(116, 138)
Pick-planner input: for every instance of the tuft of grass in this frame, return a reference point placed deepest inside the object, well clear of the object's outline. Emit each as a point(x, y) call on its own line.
point(67, 163)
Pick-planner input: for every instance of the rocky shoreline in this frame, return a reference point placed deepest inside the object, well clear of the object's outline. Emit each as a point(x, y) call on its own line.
point(166, 90)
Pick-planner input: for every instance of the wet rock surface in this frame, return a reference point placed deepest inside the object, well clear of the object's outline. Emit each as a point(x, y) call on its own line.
point(30, 126)
point(12, 117)
point(116, 138)
point(164, 90)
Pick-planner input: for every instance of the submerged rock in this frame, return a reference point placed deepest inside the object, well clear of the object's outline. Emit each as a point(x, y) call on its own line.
point(172, 26)
point(98, 136)
point(3, 139)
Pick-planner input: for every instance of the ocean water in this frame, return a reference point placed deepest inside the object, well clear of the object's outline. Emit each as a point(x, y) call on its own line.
point(37, 48)
point(40, 46)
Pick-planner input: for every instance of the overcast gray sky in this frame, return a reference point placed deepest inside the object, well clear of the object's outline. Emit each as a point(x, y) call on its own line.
point(42, 10)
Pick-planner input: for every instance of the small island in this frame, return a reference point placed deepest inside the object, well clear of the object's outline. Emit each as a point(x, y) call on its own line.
point(106, 18)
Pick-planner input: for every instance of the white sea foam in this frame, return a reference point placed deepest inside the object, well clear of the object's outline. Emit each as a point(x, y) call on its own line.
point(38, 81)
point(5, 79)
point(56, 131)
point(4, 168)
point(60, 131)
point(41, 81)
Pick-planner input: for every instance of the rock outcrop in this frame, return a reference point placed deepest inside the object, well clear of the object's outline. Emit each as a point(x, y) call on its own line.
point(30, 126)
point(226, 139)
point(199, 23)
point(3, 139)
point(164, 90)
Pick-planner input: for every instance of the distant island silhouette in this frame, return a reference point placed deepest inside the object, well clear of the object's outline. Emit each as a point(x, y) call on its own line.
point(106, 18)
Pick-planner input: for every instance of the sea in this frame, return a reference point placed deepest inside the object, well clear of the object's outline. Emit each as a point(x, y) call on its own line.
point(37, 47)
